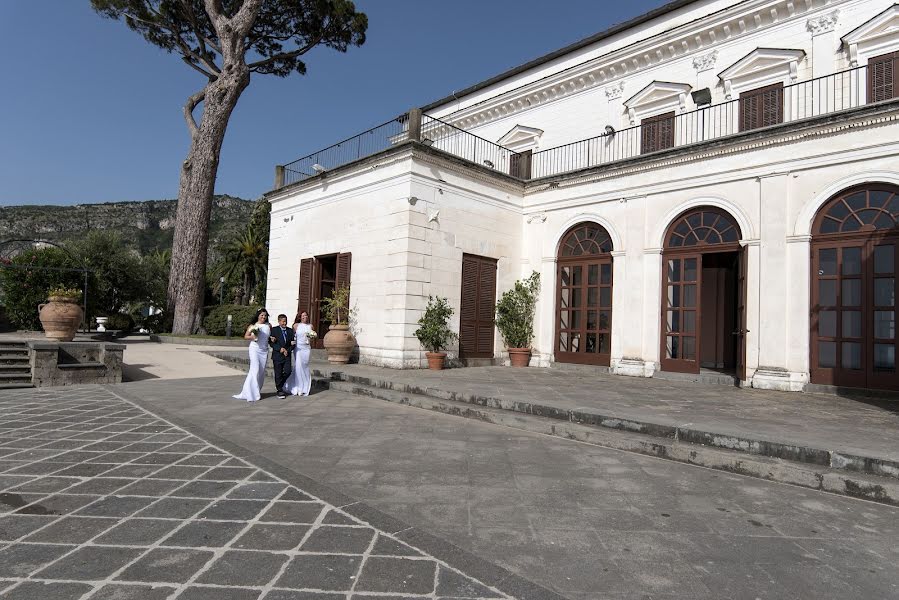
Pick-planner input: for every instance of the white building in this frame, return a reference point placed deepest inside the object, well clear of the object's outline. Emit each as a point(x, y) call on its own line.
point(713, 185)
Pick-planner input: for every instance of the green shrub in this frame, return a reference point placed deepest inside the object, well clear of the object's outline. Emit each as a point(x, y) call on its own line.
point(433, 332)
point(158, 323)
point(515, 312)
point(24, 284)
point(120, 322)
point(217, 318)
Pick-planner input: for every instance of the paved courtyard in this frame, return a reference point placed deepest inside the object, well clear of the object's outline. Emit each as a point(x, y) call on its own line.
point(100, 499)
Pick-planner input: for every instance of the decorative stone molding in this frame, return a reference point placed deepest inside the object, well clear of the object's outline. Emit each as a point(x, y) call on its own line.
point(873, 37)
point(615, 91)
point(538, 218)
point(823, 24)
point(705, 62)
point(777, 378)
point(521, 138)
point(632, 367)
point(656, 98)
point(762, 66)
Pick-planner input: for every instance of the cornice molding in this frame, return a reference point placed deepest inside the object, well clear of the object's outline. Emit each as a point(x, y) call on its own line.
point(701, 35)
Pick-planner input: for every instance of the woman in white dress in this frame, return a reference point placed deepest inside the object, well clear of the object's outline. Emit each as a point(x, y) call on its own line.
point(301, 378)
point(252, 385)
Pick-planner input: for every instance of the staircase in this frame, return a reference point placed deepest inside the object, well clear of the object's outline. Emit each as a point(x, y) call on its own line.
point(15, 367)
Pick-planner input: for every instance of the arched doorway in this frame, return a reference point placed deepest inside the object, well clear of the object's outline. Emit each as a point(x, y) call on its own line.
point(703, 294)
point(584, 296)
point(855, 240)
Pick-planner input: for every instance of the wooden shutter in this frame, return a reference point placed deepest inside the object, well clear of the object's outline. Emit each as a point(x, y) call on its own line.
point(520, 164)
point(657, 133)
point(304, 297)
point(343, 269)
point(476, 316)
point(761, 107)
point(881, 77)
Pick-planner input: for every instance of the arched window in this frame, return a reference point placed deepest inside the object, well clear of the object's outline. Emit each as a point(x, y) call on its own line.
point(702, 227)
point(855, 250)
point(584, 300)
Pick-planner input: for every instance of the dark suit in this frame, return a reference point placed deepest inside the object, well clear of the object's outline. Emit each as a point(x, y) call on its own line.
point(283, 339)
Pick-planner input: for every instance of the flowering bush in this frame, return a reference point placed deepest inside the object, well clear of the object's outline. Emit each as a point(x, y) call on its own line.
point(64, 292)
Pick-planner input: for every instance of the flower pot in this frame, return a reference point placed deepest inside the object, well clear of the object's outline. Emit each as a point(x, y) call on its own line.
point(60, 318)
point(101, 323)
point(436, 360)
point(519, 357)
point(339, 343)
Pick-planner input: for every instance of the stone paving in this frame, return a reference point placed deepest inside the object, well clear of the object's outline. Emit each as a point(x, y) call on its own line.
point(102, 500)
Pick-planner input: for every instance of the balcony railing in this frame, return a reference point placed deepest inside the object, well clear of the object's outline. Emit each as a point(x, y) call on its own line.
point(812, 98)
point(806, 99)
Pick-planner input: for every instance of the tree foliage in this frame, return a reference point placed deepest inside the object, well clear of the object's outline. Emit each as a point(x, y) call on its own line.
point(515, 312)
point(433, 330)
point(27, 278)
point(243, 261)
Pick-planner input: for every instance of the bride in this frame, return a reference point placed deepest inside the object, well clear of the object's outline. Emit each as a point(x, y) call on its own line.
point(257, 332)
point(300, 380)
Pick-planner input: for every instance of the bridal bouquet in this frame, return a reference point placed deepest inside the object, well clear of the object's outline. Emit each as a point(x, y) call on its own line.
point(254, 329)
point(311, 335)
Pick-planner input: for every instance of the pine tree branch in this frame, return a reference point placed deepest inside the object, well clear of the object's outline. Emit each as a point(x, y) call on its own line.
point(286, 55)
point(192, 103)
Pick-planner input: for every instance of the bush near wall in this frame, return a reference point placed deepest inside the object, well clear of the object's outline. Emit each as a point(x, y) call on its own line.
point(120, 321)
point(217, 318)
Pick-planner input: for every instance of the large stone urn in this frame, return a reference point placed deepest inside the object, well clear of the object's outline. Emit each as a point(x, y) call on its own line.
point(60, 318)
point(339, 343)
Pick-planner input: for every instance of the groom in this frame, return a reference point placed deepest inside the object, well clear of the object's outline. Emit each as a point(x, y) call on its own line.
point(281, 341)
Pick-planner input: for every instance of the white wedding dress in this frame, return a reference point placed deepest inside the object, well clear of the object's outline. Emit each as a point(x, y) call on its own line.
point(300, 381)
point(252, 385)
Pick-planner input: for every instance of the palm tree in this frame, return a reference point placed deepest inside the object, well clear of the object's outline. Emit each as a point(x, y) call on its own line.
point(245, 259)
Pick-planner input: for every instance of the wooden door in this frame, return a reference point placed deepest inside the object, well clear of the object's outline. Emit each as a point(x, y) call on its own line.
point(584, 313)
point(476, 316)
point(681, 312)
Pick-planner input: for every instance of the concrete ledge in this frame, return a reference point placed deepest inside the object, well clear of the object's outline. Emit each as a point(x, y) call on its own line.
point(190, 341)
point(71, 363)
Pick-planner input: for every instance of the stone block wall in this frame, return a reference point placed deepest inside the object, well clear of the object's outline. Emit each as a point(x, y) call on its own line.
point(71, 363)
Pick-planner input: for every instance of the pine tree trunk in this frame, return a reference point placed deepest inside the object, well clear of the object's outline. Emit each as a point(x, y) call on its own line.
point(198, 174)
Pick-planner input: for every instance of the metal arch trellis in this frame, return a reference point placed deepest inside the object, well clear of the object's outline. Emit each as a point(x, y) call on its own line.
point(84, 270)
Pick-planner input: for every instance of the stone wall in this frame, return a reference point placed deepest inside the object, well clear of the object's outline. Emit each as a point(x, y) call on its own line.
point(71, 363)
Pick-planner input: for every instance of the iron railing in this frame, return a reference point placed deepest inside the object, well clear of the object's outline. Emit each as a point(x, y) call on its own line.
point(349, 150)
point(468, 146)
point(806, 99)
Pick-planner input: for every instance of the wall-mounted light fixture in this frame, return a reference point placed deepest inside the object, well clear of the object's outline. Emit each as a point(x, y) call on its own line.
point(412, 200)
point(489, 163)
point(427, 141)
point(702, 97)
point(610, 130)
point(318, 168)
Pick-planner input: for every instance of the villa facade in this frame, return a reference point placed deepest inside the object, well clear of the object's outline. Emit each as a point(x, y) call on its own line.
point(712, 187)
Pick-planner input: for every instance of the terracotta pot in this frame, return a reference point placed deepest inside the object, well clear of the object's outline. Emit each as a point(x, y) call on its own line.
point(60, 318)
point(339, 343)
point(436, 360)
point(519, 357)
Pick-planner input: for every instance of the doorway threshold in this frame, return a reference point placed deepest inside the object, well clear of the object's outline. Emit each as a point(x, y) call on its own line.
point(707, 376)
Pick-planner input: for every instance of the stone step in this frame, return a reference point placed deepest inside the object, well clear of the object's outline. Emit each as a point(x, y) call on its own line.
point(818, 477)
point(14, 358)
point(15, 368)
point(15, 377)
point(15, 386)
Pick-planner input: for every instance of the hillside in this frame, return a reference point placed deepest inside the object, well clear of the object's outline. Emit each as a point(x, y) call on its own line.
point(150, 223)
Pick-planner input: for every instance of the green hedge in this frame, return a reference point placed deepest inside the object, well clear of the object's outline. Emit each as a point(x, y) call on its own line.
point(120, 322)
point(217, 319)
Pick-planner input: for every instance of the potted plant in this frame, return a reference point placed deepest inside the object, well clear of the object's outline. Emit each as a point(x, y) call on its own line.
point(60, 315)
point(434, 333)
point(339, 341)
point(515, 318)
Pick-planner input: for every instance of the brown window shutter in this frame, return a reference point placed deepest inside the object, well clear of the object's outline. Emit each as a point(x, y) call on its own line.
point(520, 164)
point(486, 306)
point(343, 269)
point(881, 77)
point(761, 107)
point(304, 298)
point(657, 133)
point(468, 315)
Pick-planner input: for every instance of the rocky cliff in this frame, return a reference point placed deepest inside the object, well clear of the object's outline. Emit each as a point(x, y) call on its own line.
point(150, 224)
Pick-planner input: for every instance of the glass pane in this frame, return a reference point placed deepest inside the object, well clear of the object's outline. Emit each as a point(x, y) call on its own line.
point(673, 296)
point(857, 200)
point(566, 275)
point(605, 273)
point(689, 317)
point(575, 344)
point(884, 324)
point(827, 292)
point(592, 274)
point(566, 297)
point(605, 319)
point(673, 321)
point(690, 295)
point(591, 319)
point(827, 261)
point(852, 292)
point(564, 320)
point(690, 269)
point(592, 296)
point(688, 347)
point(839, 211)
point(605, 297)
point(884, 291)
point(674, 270)
point(827, 355)
point(883, 258)
point(576, 297)
point(672, 346)
point(591, 343)
point(830, 226)
point(564, 339)
point(884, 357)
point(852, 355)
point(827, 323)
point(604, 343)
point(867, 216)
point(852, 323)
point(852, 261)
point(576, 275)
point(575, 319)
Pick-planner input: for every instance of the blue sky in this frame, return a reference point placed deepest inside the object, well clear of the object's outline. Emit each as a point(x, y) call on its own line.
point(89, 112)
